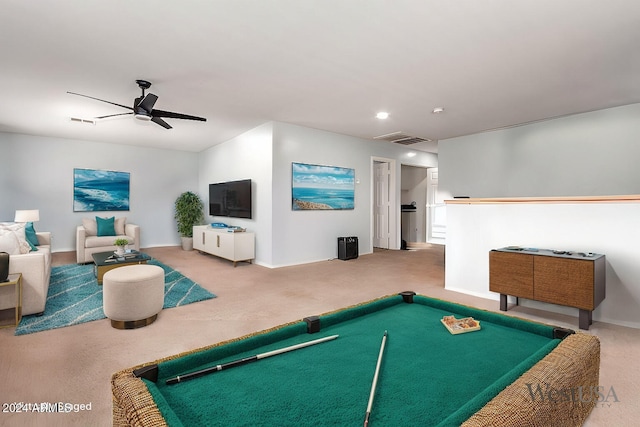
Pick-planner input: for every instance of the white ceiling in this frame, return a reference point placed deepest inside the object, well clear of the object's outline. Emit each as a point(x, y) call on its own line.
point(324, 64)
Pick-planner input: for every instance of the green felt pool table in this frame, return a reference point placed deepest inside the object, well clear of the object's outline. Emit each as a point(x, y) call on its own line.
point(497, 375)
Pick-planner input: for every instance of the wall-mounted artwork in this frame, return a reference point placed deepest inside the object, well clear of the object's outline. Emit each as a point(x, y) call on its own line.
point(98, 190)
point(316, 187)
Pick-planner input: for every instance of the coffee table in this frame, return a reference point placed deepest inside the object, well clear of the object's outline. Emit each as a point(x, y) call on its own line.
point(105, 261)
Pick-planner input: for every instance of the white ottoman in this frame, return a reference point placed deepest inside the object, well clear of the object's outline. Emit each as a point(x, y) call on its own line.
point(133, 295)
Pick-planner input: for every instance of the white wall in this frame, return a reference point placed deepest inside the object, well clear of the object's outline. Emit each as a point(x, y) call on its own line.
point(605, 228)
point(248, 156)
point(37, 173)
point(308, 236)
point(264, 155)
point(591, 154)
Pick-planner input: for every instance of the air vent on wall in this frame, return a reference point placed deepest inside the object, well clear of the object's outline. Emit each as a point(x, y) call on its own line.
point(401, 138)
point(85, 121)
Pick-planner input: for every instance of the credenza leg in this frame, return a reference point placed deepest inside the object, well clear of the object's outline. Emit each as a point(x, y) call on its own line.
point(585, 319)
point(503, 302)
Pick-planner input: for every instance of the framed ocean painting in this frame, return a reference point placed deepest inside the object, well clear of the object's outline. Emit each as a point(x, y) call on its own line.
point(316, 187)
point(98, 190)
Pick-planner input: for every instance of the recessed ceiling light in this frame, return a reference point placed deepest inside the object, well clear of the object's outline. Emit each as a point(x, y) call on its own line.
point(411, 154)
point(382, 115)
point(438, 110)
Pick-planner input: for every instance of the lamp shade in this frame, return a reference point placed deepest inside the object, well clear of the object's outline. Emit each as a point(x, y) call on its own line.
point(30, 215)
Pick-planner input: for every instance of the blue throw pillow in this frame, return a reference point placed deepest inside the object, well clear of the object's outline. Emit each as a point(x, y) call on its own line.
point(106, 226)
point(30, 232)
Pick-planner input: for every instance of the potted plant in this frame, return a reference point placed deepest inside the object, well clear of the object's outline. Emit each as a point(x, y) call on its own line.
point(188, 212)
point(120, 245)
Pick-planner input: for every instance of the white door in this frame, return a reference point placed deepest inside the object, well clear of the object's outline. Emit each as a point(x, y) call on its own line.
point(381, 205)
point(436, 210)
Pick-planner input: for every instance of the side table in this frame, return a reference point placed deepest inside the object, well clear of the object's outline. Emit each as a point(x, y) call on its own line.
point(12, 316)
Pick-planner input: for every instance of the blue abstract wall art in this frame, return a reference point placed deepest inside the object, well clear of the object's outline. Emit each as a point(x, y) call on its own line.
point(316, 187)
point(99, 190)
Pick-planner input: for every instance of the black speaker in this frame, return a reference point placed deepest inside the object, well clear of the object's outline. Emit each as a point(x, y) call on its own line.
point(4, 266)
point(347, 248)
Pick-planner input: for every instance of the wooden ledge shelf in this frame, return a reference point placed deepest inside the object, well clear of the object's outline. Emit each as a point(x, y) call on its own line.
point(635, 198)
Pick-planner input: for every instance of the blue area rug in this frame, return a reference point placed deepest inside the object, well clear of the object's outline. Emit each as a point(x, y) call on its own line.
point(75, 297)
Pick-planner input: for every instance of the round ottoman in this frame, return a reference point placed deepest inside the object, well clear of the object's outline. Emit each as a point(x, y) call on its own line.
point(133, 295)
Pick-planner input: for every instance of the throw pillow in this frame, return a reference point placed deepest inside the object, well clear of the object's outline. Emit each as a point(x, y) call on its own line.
point(119, 225)
point(17, 229)
point(30, 233)
point(90, 227)
point(105, 226)
point(9, 242)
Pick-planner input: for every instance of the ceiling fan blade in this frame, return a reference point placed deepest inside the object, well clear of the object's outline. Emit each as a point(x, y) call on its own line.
point(171, 115)
point(113, 115)
point(101, 100)
point(148, 102)
point(161, 122)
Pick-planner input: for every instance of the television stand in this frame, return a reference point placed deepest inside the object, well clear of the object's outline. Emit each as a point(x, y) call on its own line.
point(234, 246)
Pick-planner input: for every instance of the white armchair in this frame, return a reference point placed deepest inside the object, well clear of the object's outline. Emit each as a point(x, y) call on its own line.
point(88, 242)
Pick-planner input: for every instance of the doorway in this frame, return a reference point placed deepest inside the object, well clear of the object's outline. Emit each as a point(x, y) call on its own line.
point(423, 208)
point(436, 210)
point(383, 212)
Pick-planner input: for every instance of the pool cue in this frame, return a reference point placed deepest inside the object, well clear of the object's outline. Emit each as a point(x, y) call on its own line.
point(375, 380)
point(192, 375)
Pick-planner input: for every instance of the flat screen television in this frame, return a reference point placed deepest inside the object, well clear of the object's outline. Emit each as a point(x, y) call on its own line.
point(231, 199)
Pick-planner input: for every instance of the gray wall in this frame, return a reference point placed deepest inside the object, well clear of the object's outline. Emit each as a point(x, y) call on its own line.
point(247, 156)
point(588, 154)
point(264, 154)
point(37, 173)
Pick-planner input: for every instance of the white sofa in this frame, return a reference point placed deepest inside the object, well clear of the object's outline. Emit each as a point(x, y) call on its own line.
point(88, 242)
point(35, 267)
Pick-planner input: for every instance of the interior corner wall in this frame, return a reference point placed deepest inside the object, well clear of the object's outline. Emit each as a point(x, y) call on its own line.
point(589, 154)
point(247, 156)
point(37, 173)
point(309, 236)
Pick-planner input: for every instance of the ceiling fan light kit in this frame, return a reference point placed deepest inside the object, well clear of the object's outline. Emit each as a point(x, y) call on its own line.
point(143, 108)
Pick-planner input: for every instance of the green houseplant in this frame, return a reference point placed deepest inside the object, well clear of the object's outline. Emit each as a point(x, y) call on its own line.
point(120, 244)
point(188, 212)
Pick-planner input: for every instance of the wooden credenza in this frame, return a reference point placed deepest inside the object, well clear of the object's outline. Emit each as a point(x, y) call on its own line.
point(222, 243)
point(569, 279)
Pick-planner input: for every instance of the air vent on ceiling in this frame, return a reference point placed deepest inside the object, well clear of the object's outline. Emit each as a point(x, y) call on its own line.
point(401, 138)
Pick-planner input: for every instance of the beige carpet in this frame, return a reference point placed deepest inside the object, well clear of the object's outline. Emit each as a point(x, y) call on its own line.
point(74, 365)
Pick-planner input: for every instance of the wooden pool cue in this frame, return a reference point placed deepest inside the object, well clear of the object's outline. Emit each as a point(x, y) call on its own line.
point(192, 375)
point(375, 380)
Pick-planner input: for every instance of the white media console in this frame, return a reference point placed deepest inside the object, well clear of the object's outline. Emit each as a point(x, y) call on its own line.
point(239, 246)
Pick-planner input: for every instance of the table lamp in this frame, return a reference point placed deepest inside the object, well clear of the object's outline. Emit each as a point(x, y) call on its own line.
point(30, 215)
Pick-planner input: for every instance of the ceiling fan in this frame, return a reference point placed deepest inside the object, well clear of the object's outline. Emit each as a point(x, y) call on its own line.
point(143, 108)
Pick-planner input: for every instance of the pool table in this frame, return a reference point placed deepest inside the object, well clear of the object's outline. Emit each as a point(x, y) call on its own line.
point(500, 374)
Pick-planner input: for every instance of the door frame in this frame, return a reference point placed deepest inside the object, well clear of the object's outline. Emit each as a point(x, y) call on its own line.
point(394, 224)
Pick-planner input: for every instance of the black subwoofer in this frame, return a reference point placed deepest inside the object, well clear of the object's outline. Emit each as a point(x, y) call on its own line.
point(347, 248)
point(4, 266)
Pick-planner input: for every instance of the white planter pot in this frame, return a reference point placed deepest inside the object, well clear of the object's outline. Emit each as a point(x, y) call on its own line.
point(187, 243)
